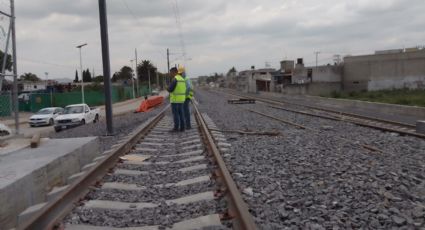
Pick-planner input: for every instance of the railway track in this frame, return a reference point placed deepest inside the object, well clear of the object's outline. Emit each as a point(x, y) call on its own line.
point(371, 122)
point(153, 179)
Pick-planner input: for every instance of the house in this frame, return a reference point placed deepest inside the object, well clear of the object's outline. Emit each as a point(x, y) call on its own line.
point(255, 80)
point(30, 86)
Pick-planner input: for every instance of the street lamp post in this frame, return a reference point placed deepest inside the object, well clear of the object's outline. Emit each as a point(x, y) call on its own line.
point(81, 71)
point(149, 76)
point(132, 79)
point(49, 90)
point(47, 79)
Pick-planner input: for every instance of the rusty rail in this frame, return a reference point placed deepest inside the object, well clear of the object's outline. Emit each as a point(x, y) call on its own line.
point(237, 208)
point(348, 116)
point(50, 215)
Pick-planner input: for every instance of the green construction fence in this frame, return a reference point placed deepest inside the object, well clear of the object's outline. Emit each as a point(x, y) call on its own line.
point(38, 101)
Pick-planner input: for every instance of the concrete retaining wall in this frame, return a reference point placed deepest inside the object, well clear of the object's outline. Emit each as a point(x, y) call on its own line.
point(26, 176)
point(384, 71)
point(314, 89)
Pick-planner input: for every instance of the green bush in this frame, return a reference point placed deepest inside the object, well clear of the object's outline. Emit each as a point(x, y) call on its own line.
point(394, 96)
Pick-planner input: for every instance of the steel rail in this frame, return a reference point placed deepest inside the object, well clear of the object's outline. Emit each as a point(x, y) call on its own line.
point(238, 209)
point(278, 102)
point(368, 147)
point(349, 116)
point(279, 119)
point(50, 216)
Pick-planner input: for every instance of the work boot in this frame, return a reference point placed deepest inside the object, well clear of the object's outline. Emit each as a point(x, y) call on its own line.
point(188, 127)
point(173, 130)
point(182, 130)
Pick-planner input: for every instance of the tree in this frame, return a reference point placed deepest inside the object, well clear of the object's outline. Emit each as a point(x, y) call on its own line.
point(143, 68)
point(125, 74)
point(29, 77)
point(98, 79)
point(76, 77)
point(8, 61)
point(232, 70)
point(87, 76)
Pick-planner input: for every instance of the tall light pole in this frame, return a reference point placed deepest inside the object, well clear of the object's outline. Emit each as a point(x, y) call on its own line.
point(132, 78)
point(106, 66)
point(15, 67)
point(317, 57)
point(81, 71)
point(168, 65)
point(149, 76)
point(137, 73)
point(47, 79)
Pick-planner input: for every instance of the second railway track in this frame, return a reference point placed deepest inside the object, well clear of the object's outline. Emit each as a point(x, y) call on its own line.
point(154, 179)
point(366, 121)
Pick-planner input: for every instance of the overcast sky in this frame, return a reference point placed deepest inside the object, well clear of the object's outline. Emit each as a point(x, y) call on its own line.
point(217, 34)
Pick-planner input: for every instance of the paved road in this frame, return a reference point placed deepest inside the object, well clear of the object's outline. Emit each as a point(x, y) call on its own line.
point(118, 109)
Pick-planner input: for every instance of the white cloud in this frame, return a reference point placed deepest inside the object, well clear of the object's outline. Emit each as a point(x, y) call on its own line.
point(218, 34)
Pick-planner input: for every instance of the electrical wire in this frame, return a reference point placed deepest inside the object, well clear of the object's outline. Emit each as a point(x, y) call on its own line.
point(142, 27)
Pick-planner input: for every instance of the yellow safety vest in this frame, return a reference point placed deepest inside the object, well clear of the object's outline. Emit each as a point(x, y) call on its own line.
point(179, 93)
point(190, 94)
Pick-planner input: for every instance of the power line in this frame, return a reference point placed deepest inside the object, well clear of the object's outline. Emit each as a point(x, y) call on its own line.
point(176, 12)
point(49, 63)
point(141, 26)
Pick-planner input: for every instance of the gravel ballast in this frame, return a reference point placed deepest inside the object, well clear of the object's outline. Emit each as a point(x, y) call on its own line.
point(316, 180)
point(171, 195)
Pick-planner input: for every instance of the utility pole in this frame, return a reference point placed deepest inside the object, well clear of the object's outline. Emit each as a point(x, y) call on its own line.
point(149, 76)
point(6, 51)
point(81, 70)
point(168, 64)
point(15, 68)
point(132, 79)
point(137, 73)
point(317, 57)
point(157, 78)
point(106, 65)
point(47, 79)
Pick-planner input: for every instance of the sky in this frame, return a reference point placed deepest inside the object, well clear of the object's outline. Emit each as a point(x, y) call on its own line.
point(217, 35)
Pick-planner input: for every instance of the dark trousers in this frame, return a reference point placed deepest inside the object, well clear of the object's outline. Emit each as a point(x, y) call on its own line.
point(178, 117)
point(186, 111)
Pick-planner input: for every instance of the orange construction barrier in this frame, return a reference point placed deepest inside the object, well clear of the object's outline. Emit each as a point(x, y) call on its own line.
point(150, 103)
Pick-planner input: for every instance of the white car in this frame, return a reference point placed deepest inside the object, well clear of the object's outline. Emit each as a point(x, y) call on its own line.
point(75, 115)
point(45, 116)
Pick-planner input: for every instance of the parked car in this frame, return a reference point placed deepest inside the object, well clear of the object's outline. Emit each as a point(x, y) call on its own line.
point(45, 116)
point(75, 115)
point(155, 92)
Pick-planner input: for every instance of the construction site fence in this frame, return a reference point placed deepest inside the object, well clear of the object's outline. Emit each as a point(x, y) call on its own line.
point(32, 102)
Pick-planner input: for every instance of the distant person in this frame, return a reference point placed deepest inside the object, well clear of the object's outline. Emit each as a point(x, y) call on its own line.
point(189, 96)
point(177, 90)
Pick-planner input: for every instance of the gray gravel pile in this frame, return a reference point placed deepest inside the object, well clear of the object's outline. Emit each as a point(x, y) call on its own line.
point(152, 194)
point(123, 125)
point(390, 143)
point(302, 180)
point(164, 215)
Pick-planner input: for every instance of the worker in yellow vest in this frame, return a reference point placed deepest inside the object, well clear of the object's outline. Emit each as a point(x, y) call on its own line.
point(189, 96)
point(177, 90)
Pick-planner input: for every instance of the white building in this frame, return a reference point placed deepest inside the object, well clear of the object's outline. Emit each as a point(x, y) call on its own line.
point(30, 86)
